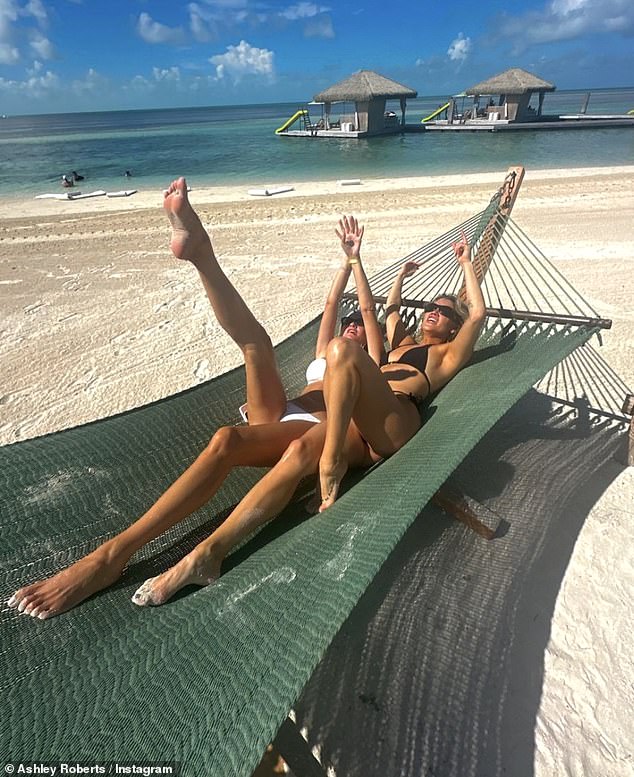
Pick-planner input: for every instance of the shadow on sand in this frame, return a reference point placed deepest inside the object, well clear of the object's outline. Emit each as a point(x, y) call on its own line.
point(439, 669)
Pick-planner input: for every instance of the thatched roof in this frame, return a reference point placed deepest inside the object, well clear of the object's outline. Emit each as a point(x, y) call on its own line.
point(364, 85)
point(513, 81)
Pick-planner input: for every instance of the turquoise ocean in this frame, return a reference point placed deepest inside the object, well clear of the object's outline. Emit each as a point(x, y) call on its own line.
point(237, 145)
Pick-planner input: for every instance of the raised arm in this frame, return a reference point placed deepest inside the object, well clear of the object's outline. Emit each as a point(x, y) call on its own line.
point(350, 233)
point(331, 308)
point(395, 328)
point(461, 348)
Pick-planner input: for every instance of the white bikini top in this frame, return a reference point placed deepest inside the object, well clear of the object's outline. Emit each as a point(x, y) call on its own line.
point(315, 370)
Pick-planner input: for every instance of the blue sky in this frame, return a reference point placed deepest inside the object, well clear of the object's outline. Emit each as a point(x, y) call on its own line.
point(82, 55)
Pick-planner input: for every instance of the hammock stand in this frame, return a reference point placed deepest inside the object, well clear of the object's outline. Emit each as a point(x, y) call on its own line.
point(208, 679)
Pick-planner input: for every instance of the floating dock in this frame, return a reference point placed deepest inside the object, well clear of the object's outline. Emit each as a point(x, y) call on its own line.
point(473, 125)
point(500, 104)
point(545, 123)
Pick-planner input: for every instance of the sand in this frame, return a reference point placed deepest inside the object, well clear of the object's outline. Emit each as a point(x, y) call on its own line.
point(97, 317)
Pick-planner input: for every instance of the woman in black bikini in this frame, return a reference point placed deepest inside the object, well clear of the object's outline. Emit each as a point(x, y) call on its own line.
point(383, 402)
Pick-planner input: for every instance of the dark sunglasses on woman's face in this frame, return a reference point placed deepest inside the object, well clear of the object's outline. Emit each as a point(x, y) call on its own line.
point(444, 310)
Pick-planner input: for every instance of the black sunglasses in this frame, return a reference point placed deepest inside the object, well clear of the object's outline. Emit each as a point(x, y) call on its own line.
point(353, 318)
point(444, 310)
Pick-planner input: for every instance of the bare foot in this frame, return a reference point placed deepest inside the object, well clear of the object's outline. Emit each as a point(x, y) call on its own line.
point(190, 240)
point(197, 568)
point(330, 476)
point(68, 588)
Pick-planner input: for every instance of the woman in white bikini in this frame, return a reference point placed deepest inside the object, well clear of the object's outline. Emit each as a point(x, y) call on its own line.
point(288, 432)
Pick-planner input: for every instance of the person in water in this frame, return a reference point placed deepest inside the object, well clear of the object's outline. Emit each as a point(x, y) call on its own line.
point(285, 435)
point(383, 401)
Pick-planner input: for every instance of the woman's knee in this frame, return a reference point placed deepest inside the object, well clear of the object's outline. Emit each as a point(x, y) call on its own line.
point(224, 442)
point(256, 341)
point(341, 351)
point(302, 455)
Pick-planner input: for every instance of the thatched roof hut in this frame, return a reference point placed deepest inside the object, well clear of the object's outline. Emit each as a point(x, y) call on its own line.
point(512, 81)
point(515, 87)
point(365, 85)
point(368, 91)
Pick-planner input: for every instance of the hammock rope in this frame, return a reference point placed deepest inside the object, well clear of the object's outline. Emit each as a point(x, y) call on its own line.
point(585, 379)
point(519, 283)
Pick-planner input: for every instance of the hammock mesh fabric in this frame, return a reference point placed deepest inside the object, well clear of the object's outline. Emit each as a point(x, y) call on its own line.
point(207, 679)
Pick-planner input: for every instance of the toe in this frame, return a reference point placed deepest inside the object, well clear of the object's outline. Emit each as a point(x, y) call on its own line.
point(143, 595)
point(30, 607)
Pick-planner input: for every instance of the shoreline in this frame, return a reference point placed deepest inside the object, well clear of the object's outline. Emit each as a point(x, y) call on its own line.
point(55, 263)
point(150, 198)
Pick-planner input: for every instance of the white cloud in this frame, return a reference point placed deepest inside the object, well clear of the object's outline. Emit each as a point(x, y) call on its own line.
point(92, 83)
point(9, 55)
point(567, 20)
point(243, 60)
point(302, 10)
point(459, 48)
point(9, 52)
point(36, 9)
point(207, 17)
point(35, 86)
point(319, 28)
point(172, 74)
point(10, 12)
point(199, 23)
point(41, 46)
point(155, 32)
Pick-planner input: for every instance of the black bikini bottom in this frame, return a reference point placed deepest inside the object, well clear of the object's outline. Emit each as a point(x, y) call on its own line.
point(416, 401)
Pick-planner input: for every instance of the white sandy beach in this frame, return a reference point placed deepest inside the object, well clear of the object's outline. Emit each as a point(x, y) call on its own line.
point(97, 318)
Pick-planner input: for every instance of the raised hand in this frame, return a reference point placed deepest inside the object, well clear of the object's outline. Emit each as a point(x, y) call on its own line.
point(462, 250)
point(409, 268)
point(350, 234)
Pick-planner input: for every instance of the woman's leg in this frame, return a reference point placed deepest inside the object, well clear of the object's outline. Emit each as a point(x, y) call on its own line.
point(265, 394)
point(265, 500)
point(356, 389)
point(258, 446)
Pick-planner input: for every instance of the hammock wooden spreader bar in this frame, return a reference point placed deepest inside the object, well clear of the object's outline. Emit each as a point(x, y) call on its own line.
point(506, 313)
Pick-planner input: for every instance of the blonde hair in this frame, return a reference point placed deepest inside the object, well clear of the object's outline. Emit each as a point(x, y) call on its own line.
point(459, 306)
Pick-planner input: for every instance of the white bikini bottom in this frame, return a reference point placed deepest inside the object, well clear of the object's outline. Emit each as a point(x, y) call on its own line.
point(293, 412)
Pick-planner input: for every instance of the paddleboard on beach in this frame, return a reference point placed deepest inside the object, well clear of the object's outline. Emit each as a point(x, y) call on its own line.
point(122, 193)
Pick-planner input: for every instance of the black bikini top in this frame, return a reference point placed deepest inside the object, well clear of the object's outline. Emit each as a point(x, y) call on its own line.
point(415, 357)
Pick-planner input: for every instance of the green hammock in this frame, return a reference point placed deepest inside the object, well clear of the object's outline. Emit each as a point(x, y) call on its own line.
point(207, 679)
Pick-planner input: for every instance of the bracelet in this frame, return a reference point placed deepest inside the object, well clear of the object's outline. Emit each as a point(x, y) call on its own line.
point(353, 261)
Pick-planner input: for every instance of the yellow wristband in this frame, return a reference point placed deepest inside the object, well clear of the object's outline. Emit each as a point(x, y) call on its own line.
point(353, 261)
